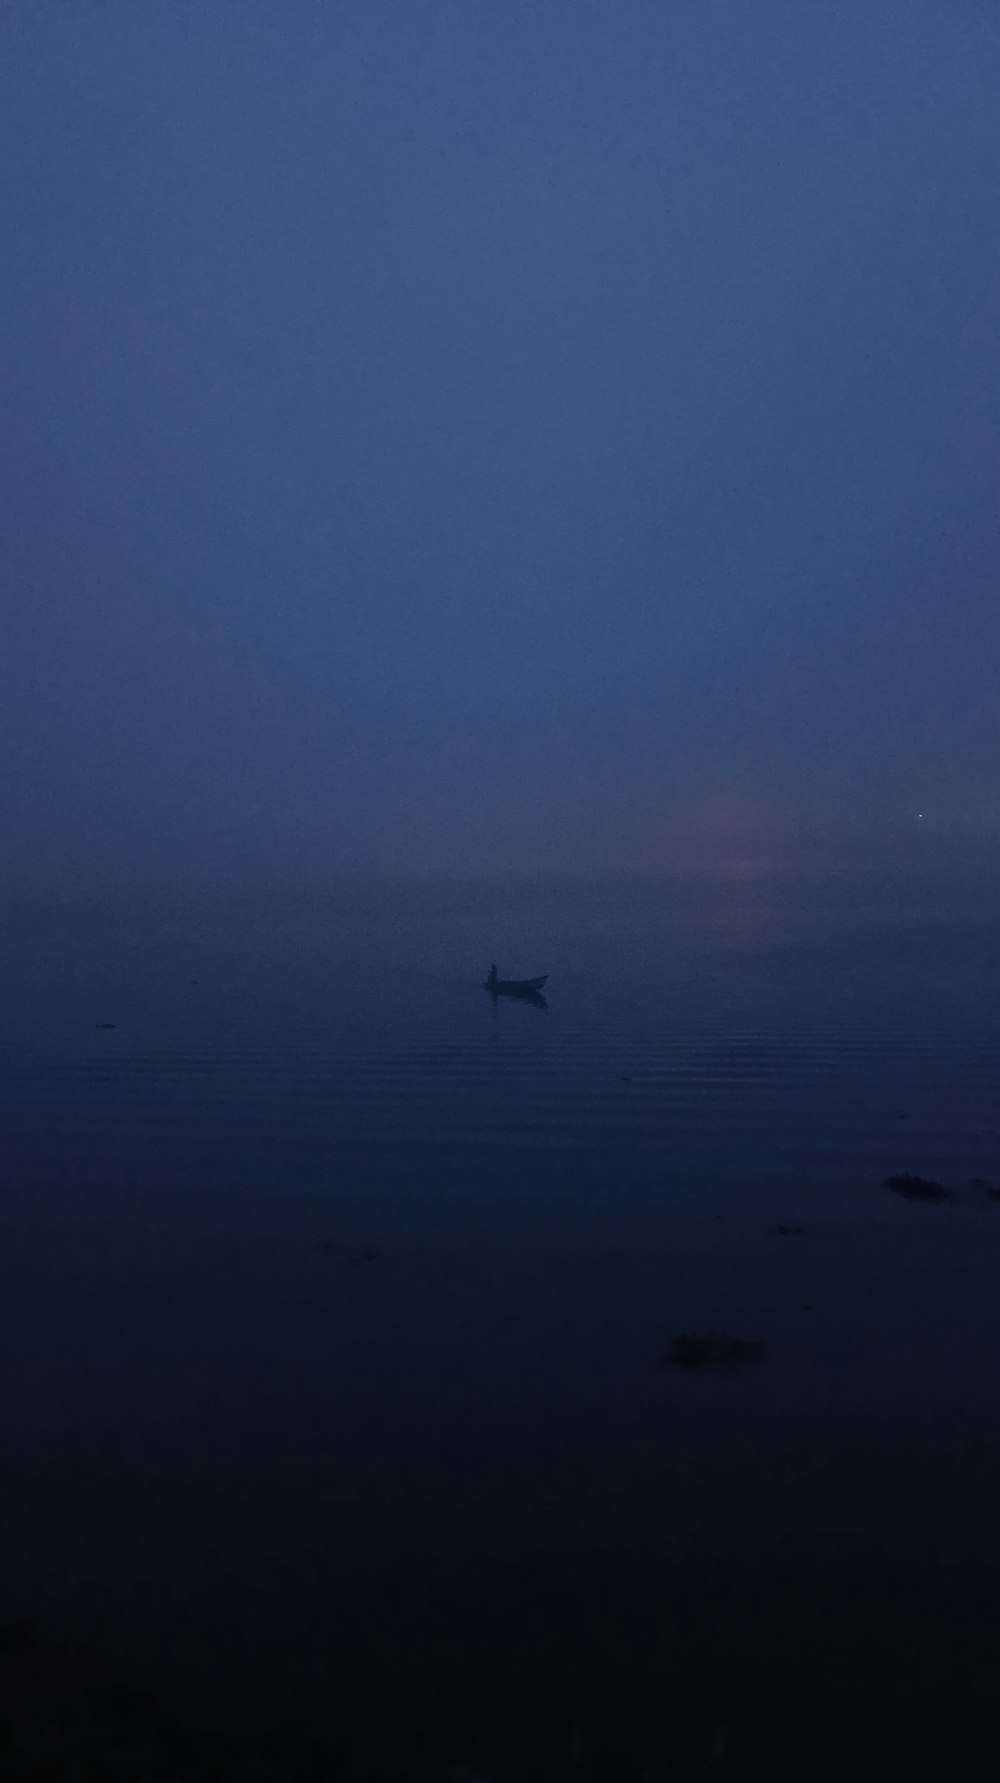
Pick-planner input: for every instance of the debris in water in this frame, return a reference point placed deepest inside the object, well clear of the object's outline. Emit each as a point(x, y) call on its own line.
point(788, 1231)
point(917, 1188)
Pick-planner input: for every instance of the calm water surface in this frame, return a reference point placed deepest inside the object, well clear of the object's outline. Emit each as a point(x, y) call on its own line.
point(333, 1296)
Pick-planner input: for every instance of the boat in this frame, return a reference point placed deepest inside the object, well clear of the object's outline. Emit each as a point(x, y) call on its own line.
point(515, 987)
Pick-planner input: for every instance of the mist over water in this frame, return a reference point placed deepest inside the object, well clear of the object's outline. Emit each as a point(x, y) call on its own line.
point(505, 484)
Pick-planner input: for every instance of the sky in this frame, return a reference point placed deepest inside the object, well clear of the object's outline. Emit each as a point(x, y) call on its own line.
point(439, 433)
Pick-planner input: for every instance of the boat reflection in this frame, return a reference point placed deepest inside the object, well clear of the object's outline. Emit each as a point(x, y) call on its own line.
point(535, 998)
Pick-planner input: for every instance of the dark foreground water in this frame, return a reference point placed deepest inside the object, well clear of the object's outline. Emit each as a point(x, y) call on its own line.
point(333, 1296)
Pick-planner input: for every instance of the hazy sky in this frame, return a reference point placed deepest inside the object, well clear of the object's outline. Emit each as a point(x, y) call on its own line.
point(496, 432)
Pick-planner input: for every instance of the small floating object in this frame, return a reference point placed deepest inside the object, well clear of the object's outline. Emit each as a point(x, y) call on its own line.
point(917, 1188)
point(788, 1231)
point(711, 1349)
point(104, 1024)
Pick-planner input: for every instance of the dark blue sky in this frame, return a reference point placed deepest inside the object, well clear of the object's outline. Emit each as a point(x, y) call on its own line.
point(549, 432)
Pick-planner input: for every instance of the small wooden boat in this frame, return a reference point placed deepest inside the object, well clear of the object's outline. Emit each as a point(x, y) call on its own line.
point(515, 987)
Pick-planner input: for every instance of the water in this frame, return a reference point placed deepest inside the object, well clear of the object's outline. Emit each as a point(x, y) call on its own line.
point(333, 1295)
